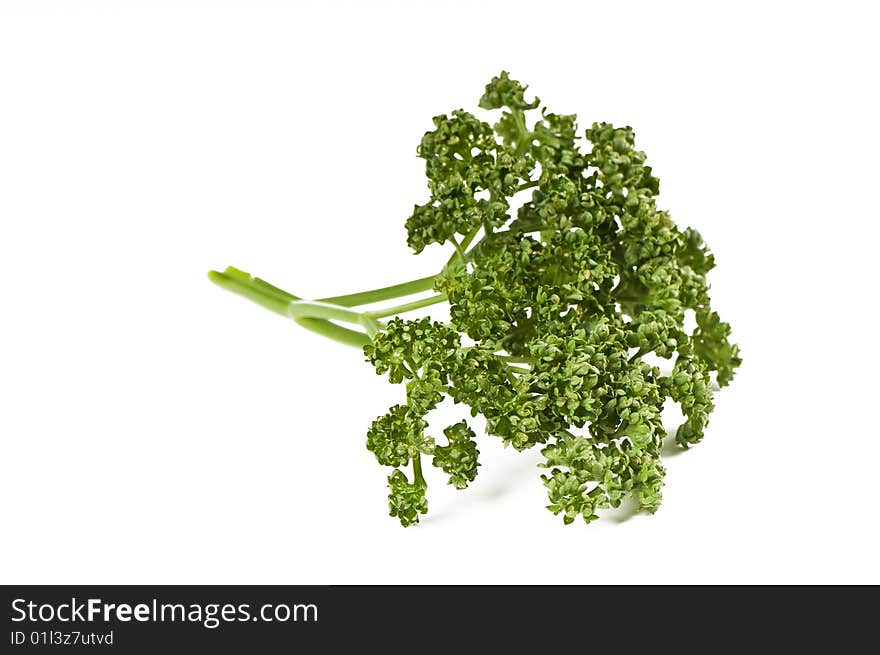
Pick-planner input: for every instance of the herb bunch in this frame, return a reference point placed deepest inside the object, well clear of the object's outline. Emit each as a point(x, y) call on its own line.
point(554, 308)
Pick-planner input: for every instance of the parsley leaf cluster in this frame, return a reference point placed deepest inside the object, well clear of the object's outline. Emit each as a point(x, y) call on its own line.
point(564, 277)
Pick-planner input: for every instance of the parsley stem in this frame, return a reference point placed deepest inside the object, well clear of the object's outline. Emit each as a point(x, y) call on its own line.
point(418, 478)
point(523, 134)
point(317, 316)
point(527, 185)
point(469, 237)
point(371, 325)
point(383, 293)
point(459, 250)
point(459, 247)
point(516, 360)
point(260, 291)
point(318, 309)
point(407, 307)
point(278, 301)
point(396, 290)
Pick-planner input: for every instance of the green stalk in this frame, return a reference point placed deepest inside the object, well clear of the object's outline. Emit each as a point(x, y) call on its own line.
point(278, 301)
point(253, 288)
point(385, 293)
point(398, 290)
point(457, 257)
point(371, 325)
point(317, 309)
point(418, 478)
point(318, 316)
point(407, 307)
point(516, 360)
point(459, 250)
point(524, 140)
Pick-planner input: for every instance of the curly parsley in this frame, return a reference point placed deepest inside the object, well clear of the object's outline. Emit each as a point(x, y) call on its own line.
point(553, 308)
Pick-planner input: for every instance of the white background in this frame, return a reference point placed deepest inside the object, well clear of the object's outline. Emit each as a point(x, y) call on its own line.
point(158, 430)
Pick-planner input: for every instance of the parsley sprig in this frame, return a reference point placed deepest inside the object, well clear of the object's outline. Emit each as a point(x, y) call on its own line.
point(554, 308)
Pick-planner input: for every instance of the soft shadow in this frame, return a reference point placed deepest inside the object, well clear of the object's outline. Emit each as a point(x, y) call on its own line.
point(670, 448)
point(629, 507)
point(512, 475)
point(515, 473)
point(524, 468)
